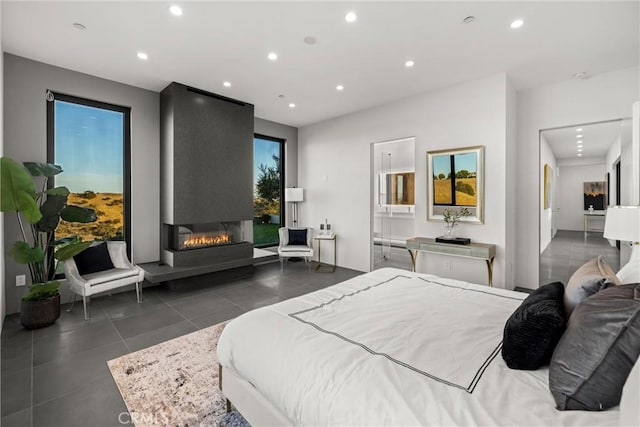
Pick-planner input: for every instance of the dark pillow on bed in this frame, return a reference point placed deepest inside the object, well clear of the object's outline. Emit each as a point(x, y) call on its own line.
point(596, 353)
point(93, 259)
point(533, 330)
point(298, 237)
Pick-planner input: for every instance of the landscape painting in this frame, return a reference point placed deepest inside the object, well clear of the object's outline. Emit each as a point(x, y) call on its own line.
point(457, 188)
point(455, 180)
point(595, 195)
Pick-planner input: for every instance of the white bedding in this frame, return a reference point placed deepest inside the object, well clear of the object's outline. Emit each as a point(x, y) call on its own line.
point(393, 348)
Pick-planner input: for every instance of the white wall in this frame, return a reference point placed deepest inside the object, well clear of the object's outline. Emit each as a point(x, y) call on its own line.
point(26, 82)
point(547, 230)
point(570, 195)
point(606, 96)
point(334, 168)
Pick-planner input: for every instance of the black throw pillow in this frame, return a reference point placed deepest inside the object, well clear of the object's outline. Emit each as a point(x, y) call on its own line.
point(534, 329)
point(298, 237)
point(598, 350)
point(93, 259)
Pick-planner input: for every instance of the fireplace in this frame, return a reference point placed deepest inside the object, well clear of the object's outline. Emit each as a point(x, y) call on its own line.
point(194, 245)
point(197, 236)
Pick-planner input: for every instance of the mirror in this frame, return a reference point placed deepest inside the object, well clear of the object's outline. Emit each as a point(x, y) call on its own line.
point(455, 178)
point(397, 188)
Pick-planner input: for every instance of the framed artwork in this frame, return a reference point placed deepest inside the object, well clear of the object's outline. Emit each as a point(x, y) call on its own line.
point(595, 195)
point(548, 184)
point(455, 178)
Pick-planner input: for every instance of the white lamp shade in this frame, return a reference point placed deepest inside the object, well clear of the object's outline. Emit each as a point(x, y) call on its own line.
point(622, 223)
point(294, 195)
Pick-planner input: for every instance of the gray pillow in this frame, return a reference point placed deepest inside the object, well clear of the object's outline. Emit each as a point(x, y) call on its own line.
point(591, 362)
point(590, 278)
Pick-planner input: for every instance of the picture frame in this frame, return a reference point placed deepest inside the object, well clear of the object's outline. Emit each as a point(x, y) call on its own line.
point(455, 179)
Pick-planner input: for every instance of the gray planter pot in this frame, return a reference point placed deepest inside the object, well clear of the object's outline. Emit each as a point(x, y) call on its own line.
point(38, 314)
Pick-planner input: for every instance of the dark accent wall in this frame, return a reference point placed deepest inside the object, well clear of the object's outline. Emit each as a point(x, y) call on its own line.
point(206, 156)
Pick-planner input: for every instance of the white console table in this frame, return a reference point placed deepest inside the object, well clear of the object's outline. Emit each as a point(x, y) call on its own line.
point(482, 251)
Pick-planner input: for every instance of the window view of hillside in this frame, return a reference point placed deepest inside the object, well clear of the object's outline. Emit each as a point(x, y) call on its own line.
point(89, 145)
point(267, 191)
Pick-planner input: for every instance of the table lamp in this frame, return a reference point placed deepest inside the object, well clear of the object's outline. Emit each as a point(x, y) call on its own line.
point(294, 195)
point(623, 223)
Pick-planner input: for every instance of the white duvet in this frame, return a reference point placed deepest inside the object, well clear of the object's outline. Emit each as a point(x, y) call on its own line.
point(392, 347)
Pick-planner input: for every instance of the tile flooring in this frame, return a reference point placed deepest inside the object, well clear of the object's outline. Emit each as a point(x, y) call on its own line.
point(58, 376)
point(568, 250)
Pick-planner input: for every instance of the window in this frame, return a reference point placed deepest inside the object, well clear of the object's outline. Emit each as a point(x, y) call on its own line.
point(91, 141)
point(268, 176)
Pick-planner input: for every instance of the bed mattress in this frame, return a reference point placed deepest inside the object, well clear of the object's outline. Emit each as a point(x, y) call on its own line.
point(392, 347)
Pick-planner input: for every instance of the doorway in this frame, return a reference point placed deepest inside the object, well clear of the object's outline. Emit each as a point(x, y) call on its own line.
point(392, 202)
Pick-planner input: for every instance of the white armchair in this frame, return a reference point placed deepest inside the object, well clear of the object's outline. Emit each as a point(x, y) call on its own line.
point(124, 273)
point(285, 250)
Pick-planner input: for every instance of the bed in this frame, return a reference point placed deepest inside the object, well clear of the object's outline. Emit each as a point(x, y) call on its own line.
point(388, 347)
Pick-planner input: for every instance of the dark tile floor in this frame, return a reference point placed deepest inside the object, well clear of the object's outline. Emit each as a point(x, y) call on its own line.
point(58, 376)
point(568, 250)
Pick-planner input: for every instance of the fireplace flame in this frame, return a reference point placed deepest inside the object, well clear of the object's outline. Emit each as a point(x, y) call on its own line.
point(202, 240)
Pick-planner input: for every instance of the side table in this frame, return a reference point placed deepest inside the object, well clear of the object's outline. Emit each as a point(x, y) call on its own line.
point(324, 267)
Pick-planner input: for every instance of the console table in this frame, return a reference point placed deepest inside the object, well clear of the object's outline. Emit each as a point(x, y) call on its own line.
point(591, 215)
point(482, 251)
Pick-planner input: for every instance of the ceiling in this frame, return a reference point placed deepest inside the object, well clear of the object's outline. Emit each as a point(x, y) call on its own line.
point(597, 139)
point(214, 42)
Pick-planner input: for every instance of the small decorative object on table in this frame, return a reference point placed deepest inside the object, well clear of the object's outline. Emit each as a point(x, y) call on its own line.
point(452, 218)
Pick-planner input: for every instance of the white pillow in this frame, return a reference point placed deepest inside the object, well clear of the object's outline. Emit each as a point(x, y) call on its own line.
point(629, 411)
point(630, 273)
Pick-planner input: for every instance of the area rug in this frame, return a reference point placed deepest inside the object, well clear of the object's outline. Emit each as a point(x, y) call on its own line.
point(175, 383)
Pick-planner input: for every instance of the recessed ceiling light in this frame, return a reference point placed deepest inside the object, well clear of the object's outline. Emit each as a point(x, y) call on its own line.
point(469, 19)
point(272, 56)
point(579, 136)
point(350, 17)
point(175, 10)
point(79, 26)
point(339, 87)
point(409, 64)
point(226, 84)
point(517, 23)
point(292, 105)
point(579, 130)
point(579, 154)
point(143, 56)
point(579, 150)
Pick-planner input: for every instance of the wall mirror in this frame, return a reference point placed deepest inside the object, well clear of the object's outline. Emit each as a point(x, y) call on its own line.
point(455, 179)
point(397, 188)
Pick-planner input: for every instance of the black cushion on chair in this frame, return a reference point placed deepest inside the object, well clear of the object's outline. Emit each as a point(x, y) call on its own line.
point(93, 259)
point(534, 329)
point(298, 237)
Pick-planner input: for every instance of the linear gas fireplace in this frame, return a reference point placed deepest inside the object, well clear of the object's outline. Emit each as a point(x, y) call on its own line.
point(190, 245)
point(198, 236)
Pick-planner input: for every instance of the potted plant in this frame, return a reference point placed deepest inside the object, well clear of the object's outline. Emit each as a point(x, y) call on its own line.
point(452, 218)
point(38, 215)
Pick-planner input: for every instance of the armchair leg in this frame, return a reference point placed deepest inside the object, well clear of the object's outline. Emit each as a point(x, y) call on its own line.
point(86, 303)
point(281, 264)
point(73, 301)
point(138, 292)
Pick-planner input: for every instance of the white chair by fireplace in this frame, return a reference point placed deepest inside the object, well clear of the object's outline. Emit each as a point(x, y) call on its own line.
point(296, 250)
point(124, 273)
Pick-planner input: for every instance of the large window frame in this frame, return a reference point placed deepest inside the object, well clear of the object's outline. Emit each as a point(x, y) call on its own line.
point(282, 143)
point(126, 138)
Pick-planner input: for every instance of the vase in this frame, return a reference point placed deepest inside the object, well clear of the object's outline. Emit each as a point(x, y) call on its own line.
point(41, 313)
point(449, 230)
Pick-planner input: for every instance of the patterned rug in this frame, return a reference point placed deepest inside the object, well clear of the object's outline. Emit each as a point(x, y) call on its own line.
point(175, 383)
